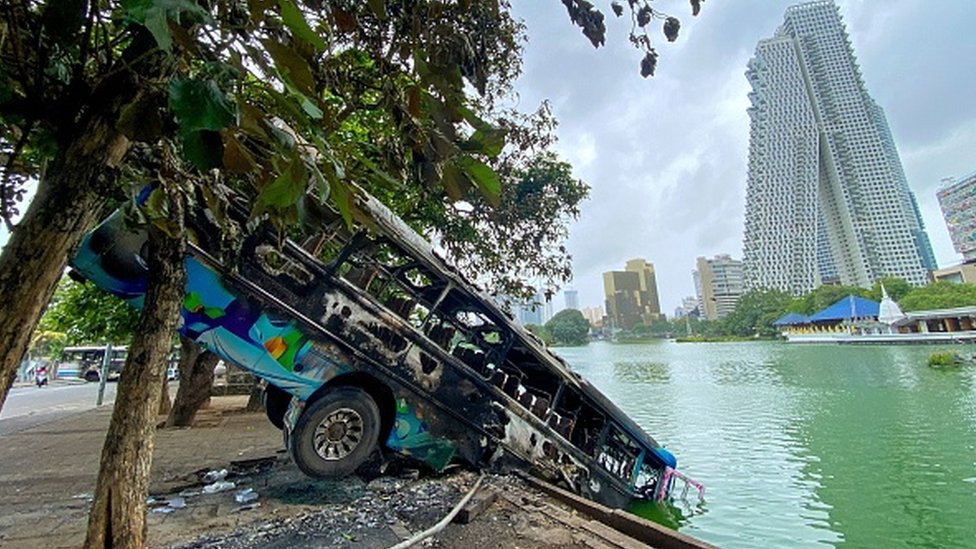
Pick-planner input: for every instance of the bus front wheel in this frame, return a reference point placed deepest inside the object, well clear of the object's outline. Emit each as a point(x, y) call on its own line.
point(336, 433)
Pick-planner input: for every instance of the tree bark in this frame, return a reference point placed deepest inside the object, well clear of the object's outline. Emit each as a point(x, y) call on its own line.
point(118, 512)
point(196, 383)
point(165, 404)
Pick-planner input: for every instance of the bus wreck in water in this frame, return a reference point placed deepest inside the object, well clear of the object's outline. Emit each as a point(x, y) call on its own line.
point(368, 339)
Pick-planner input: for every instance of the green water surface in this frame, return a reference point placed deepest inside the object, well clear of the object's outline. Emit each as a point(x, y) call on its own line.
point(804, 445)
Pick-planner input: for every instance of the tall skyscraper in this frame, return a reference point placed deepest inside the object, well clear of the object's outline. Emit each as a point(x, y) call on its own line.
point(719, 284)
point(827, 199)
point(572, 299)
point(631, 295)
point(958, 203)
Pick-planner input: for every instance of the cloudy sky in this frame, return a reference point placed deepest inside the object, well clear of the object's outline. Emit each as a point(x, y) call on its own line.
point(666, 156)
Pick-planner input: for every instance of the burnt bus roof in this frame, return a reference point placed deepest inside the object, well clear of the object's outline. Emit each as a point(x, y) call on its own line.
point(393, 226)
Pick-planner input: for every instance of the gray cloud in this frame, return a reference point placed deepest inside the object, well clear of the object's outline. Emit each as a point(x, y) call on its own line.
point(666, 157)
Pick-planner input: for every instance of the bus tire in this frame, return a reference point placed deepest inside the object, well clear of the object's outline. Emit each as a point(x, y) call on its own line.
point(276, 402)
point(335, 434)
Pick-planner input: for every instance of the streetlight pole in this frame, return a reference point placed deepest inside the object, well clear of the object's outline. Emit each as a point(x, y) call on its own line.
point(103, 374)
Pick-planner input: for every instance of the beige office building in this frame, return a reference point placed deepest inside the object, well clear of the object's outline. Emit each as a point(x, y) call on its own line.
point(631, 295)
point(719, 284)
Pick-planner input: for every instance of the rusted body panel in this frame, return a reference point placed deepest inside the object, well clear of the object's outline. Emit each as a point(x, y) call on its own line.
point(455, 377)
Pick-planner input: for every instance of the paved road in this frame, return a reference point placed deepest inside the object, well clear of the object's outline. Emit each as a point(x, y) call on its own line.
point(30, 406)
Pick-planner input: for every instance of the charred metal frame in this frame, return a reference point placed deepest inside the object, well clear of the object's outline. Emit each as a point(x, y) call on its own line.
point(454, 376)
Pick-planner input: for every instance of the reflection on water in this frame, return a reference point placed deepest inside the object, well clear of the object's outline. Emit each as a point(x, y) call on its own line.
point(642, 372)
point(674, 515)
point(802, 446)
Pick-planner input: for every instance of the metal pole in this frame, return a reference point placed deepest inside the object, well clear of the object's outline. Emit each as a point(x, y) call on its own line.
point(103, 374)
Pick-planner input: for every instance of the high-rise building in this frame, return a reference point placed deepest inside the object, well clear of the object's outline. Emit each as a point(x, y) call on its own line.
point(827, 199)
point(958, 203)
point(719, 283)
point(594, 315)
point(689, 306)
point(536, 311)
point(631, 295)
point(572, 299)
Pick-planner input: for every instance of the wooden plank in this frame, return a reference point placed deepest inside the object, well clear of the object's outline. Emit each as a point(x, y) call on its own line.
point(477, 505)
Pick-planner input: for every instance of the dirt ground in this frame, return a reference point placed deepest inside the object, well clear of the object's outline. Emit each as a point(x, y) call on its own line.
point(47, 473)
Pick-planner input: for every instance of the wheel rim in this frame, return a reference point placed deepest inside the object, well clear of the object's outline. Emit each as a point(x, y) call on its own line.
point(338, 434)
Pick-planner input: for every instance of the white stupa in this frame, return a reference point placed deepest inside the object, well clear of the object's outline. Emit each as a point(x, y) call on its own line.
point(888, 312)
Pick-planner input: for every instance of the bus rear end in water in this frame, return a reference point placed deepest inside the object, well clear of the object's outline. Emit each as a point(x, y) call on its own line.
point(369, 340)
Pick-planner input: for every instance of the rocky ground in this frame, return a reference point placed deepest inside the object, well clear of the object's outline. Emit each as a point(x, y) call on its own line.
point(297, 512)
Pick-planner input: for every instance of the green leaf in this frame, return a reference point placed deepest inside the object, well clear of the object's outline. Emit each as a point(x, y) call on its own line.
point(385, 177)
point(484, 177)
point(452, 181)
point(292, 67)
point(136, 9)
point(158, 25)
point(287, 188)
point(476, 121)
point(320, 182)
point(200, 105)
point(295, 21)
point(203, 149)
point(342, 198)
point(487, 142)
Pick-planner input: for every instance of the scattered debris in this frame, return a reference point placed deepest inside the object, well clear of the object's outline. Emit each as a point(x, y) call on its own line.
point(215, 476)
point(219, 486)
point(247, 507)
point(246, 495)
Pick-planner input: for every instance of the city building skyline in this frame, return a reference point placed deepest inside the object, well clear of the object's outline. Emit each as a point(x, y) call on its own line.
point(719, 284)
point(957, 200)
point(631, 295)
point(827, 200)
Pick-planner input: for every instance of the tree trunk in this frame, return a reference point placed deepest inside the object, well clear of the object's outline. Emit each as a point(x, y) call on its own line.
point(196, 383)
point(66, 205)
point(165, 405)
point(118, 512)
point(68, 201)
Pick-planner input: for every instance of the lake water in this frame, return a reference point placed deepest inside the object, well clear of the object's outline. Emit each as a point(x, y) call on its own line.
point(804, 445)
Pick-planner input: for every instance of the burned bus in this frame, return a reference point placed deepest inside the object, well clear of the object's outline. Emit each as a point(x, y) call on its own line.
point(370, 341)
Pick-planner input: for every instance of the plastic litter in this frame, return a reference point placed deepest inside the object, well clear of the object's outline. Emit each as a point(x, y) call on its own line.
point(189, 493)
point(176, 503)
point(215, 476)
point(246, 496)
point(247, 507)
point(163, 510)
point(219, 486)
